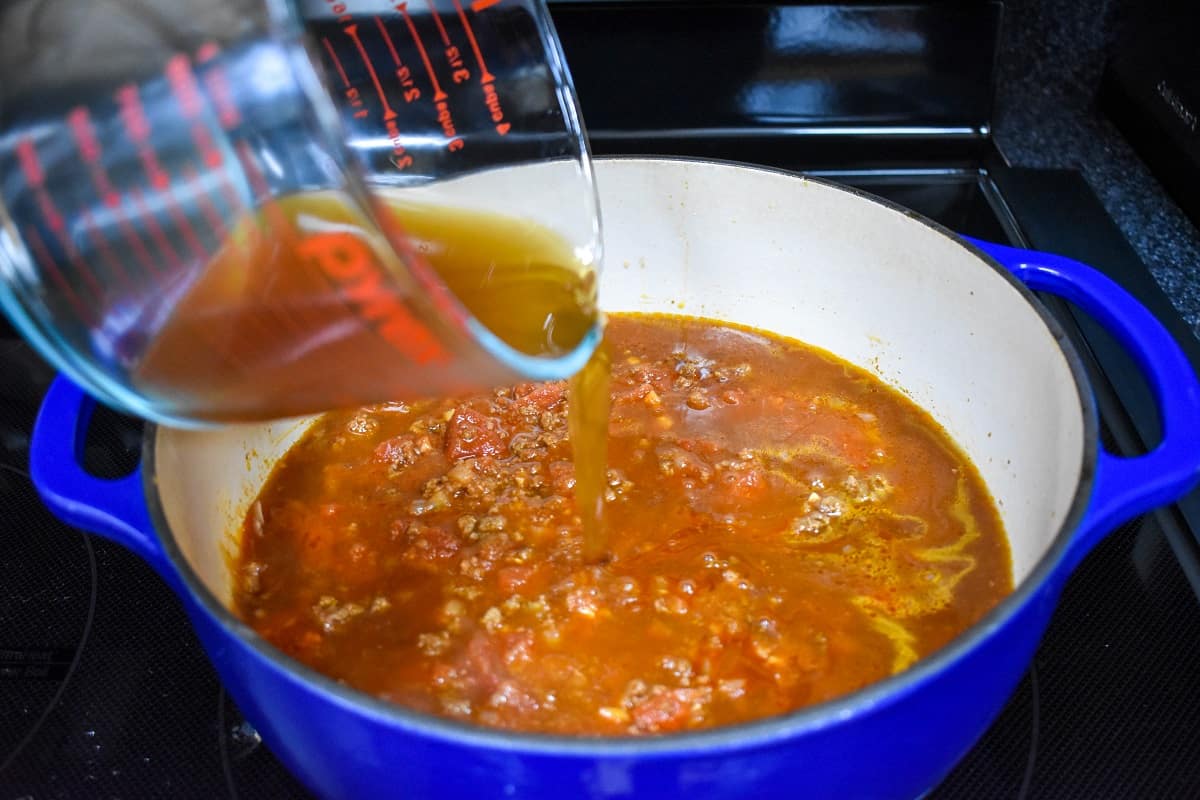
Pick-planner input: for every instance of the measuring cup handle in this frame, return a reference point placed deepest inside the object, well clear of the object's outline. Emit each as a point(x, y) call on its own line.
point(115, 509)
point(1124, 487)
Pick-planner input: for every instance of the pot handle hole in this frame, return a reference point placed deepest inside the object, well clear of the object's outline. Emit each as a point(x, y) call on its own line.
point(1124, 487)
point(115, 509)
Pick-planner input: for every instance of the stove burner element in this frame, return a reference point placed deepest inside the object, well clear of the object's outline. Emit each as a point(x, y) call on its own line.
point(47, 603)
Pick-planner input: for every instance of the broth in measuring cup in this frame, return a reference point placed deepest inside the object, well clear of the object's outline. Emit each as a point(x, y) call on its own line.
point(298, 312)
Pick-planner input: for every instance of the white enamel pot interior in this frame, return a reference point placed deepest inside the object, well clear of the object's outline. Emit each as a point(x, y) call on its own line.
point(862, 279)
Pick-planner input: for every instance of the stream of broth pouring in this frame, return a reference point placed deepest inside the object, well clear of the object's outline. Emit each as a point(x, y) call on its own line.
point(263, 333)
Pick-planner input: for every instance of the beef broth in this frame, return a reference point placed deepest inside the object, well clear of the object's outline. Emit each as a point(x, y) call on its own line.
point(306, 308)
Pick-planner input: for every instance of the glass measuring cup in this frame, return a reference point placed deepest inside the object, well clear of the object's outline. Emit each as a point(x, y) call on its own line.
point(253, 208)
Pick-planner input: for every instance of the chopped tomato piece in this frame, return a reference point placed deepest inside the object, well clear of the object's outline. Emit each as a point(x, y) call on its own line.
point(542, 395)
point(514, 579)
point(471, 434)
point(428, 545)
point(485, 661)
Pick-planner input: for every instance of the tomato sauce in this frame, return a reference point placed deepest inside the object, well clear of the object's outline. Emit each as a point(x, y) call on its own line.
point(782, 528)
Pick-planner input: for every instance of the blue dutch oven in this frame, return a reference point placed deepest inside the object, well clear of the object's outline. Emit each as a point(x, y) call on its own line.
point(951, 321)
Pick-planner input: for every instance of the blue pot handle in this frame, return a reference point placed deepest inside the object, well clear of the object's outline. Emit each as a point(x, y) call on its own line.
point(115, 509)
point(1124, 487)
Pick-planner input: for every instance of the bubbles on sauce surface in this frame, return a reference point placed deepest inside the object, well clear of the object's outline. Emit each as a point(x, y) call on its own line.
point(805, 533)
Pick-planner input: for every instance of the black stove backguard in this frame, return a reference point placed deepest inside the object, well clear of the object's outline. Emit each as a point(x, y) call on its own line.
point(1151, 89)
point(105, 692)
point(885, 85)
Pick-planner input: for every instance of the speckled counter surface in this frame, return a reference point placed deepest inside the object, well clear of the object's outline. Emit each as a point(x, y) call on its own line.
point(1051, 60)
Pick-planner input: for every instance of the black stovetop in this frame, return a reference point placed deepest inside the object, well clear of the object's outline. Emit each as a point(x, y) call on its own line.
point(105, 692)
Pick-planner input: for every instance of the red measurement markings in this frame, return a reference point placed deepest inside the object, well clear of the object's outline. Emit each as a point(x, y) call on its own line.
point(100, 242)
point(35, 176)
point(216, 83)
point(258, 182)
point(458, 71)
point(183, 84)
point(184, 225)
point(444, 116)
point(269, 317)
point(339, 8)
point(187, 93)
point(437, 20)
point(400, 157)
point(261, 189)
point(206, 207)
point(207, 52)
point(490, 96)
point(51, 268)
point(84, 132)
point(337, 62)
point(140, 251)
point(486, 77)
point(89, 148)
point(480, 5)
point(135, 243)
point(73, 256)
point(387, 37)
point(156, 232)
point(438, 94)
point(352, 94)
point(30, 165)
point(137, 127)
point(277, 221)
point(403, 73)
point(158, 236)
point(352, 32)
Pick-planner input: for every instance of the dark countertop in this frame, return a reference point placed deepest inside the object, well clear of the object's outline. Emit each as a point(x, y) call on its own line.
point(1052, 56)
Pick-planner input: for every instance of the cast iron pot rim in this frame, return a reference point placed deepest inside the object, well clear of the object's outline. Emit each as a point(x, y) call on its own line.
point(741, 736)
